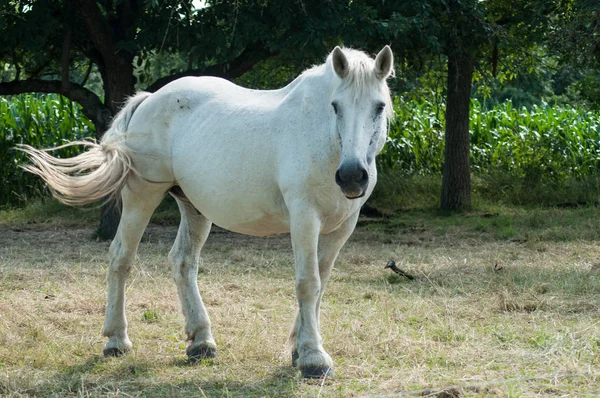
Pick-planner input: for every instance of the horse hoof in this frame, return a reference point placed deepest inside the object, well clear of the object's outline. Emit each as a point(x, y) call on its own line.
point(317, 372)
point(196, 353)
point(295, 357)
point(114, 352)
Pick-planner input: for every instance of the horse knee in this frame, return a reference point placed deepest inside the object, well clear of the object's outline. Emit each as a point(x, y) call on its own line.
point(307, 288)
point(121, 258)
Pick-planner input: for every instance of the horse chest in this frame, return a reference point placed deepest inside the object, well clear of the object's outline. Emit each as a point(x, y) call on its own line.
point(335, 213)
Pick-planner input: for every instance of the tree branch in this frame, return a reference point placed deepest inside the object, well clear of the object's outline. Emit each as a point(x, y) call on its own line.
point(17, 67)
point(93, 108)
point(87, 74)
point(96, 27)
point(64, 59)
point(126, 12)
point(240, 65)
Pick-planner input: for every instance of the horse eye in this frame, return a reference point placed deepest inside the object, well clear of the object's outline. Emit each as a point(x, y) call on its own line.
point(380, 108)
point(335, 107)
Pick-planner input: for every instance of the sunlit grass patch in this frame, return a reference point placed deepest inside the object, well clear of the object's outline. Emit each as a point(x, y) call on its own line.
point(486, 315)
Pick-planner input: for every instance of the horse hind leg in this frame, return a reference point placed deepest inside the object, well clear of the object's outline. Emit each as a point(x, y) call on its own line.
point(139, 203)
point(185, 256)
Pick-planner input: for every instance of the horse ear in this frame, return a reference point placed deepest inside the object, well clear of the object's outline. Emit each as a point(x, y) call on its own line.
point(384, 63)
point(340, 62)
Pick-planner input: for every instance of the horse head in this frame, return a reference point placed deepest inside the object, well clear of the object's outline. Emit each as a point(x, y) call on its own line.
point(360, 110)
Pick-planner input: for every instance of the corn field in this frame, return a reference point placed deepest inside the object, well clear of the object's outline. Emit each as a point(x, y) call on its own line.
point(42, 121)
point(543, 142)
point(543, 146)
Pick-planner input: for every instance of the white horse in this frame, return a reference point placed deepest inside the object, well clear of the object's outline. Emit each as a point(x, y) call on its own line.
point(297, 160)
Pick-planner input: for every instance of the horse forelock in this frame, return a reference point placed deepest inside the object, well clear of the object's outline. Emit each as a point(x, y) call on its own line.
point(361, 78)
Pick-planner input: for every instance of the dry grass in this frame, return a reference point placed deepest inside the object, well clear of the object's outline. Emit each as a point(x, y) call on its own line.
point(486, 316)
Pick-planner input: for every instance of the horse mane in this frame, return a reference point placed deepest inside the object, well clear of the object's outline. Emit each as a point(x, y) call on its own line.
point(361, 77)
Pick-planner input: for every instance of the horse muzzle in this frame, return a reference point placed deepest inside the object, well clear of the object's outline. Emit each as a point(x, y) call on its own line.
point(353, 179)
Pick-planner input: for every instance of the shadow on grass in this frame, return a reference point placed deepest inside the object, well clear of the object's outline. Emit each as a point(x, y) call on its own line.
point(99, 376)
point(515, 224)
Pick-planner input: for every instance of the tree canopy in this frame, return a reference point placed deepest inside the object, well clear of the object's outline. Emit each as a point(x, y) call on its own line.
point(51, 46)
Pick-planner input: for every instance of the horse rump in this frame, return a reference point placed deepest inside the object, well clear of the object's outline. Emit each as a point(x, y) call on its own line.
point(99, 173)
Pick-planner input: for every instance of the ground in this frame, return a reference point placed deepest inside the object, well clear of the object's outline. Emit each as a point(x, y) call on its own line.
point(504, 303)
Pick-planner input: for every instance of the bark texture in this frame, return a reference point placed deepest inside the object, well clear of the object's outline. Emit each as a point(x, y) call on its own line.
point(116, 67)
point(456, 184)
point(119, 85)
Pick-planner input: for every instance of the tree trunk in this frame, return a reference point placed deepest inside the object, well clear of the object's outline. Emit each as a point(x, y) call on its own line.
point(109, 213)
point(118, 85)
point(456, 183)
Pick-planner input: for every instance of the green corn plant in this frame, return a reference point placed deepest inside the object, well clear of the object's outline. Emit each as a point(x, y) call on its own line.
point(42, 121)
point(542, 147)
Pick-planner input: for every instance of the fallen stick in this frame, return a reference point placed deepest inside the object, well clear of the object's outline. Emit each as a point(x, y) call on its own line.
point(392, 265)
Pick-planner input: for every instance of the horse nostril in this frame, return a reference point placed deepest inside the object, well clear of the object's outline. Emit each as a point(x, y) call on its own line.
point(362, 175)
point(351, 175)
point(338, 178)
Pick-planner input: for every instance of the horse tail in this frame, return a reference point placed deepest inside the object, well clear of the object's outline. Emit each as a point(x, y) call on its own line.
point(99, 173)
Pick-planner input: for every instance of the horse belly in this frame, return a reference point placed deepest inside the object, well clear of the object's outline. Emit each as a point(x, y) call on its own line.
point(266, 225)
point(245, 218)
point(252, 210)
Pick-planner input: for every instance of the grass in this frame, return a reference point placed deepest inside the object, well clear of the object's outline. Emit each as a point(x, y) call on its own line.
point(505, 303)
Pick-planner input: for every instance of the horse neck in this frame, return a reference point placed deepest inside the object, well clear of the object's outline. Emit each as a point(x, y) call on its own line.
point(317, 76)
point(308, 100)
point(318, 83)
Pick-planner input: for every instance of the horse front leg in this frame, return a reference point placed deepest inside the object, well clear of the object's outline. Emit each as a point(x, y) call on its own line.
point(313, 361)
point(329, 246)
